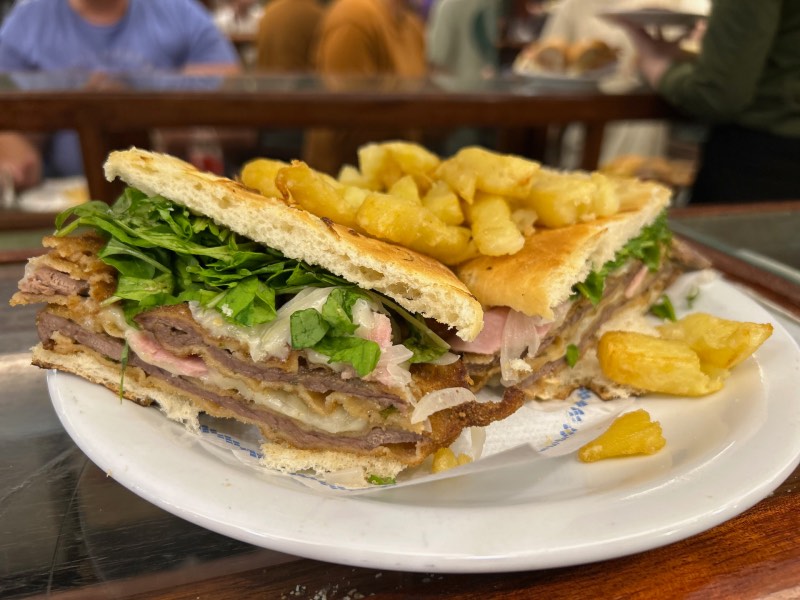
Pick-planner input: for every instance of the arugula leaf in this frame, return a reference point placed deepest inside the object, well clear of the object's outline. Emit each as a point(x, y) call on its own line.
point(338, 310)
point(165, 254)
point(136, 288)
point(123, 365)
point(648, 248)
point(307, 328)
point(572, 356)
point(362, 354)
point(693, 294)
point(248, 303)
point(378, 480)
point(664, 310)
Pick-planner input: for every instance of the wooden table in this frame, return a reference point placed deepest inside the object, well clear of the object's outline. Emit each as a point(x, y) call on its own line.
point(69, 531)
point(106, 119)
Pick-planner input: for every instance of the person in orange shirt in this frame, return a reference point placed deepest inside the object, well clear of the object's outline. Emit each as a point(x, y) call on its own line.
point(286, 35)
point(364, 37)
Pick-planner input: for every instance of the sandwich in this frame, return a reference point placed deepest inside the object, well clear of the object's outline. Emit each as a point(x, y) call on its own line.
point(590, 55)
point(546, 304)
point(198, 295)
point(556, 56)
point(547, 56)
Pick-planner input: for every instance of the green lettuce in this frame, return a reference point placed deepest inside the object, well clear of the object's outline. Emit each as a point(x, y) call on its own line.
point(649, 248)
point(164, 254)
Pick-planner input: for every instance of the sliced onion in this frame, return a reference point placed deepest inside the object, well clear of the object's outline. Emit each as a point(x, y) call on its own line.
point(520, 333)
point(392, 368)
point(440, 400)
point(448, 358)
point(478, 435)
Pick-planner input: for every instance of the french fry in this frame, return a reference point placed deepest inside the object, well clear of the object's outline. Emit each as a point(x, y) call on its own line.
point(444, 203)
point(494, 232)
point(412, 159)
point(718, 342)
point(450, 244)
point(406, 188)
point(391, 219)
point(629, 434)
point(377, 167)
point(494, 173)
point(317, 193)
point(349, 175)
point(260, 174)
point(649, 363)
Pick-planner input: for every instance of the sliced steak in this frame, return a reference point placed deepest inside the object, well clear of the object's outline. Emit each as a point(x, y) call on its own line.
point(178, 332)
point(278, 426)
point(49, 282)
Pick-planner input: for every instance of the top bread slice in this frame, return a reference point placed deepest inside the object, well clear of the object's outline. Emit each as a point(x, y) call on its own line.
point(540, 277)
point(417, 283)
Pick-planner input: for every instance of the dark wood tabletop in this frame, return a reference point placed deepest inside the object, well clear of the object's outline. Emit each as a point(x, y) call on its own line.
point(110, 117)
point(67, 530)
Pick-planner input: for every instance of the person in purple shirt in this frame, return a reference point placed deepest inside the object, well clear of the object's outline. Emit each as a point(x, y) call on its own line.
point(91, 37)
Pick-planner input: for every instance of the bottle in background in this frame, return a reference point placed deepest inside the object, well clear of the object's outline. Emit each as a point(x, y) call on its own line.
point(205, 150)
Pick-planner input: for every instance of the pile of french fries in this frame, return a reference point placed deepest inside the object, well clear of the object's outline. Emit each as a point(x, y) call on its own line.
point(477, 202)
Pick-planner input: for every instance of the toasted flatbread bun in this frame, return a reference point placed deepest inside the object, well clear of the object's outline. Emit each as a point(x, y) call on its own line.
point(417, 283)
point(541, 275)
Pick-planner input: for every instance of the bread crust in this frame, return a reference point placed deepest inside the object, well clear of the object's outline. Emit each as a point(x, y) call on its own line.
point(417, 283)
point(541, 275)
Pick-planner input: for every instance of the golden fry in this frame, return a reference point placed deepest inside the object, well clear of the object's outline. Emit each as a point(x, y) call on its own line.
point(318, 193)
point(260, 174)
point(494, 231)
point(449, 244)
point(493, 173)
point(718, 342)
point(649, 363)
point(444, 459)
point(444, 203)
point(631, 433)
point(391, 218)
point(563, 199)
point(406, 189)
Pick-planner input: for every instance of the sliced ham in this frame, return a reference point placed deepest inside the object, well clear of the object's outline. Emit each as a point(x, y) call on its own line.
point(490, 339)
point(146, 347)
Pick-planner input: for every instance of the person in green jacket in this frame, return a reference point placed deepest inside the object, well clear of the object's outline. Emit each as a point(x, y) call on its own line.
point(745, 82)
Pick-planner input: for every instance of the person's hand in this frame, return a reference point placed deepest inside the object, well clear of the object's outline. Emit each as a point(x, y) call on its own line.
point(654, 55)
point(20, 157)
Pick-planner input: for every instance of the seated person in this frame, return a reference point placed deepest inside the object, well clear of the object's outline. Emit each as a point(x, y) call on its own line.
point(100, 36)
point(363, 38)
point(286, 35)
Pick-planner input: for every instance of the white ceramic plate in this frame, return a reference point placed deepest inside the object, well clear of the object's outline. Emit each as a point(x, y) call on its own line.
point(54, 195)
point(724, 453)
point(657, 17)
point(568, 82)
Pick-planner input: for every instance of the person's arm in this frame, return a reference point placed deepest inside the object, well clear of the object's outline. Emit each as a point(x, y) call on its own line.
point(439, 43)
point(209, 52)
point(561, 23)
point(724, 78)
point(21, 157)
